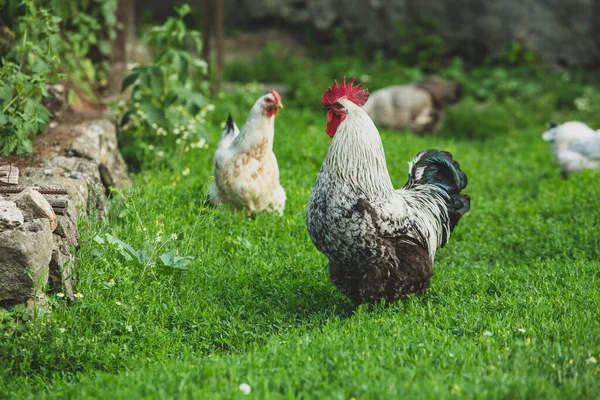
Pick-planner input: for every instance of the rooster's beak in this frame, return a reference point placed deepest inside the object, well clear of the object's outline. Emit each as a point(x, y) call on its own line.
point(278, 105)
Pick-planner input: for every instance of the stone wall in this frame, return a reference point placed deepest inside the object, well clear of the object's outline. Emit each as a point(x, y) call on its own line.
point(68, 174)
point(565, 33)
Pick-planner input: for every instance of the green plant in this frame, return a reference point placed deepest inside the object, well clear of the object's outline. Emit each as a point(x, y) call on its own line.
point(422, 45)
point(167, 103)
point(26, 69)
point(86, 30)
point(170, 261)
point(518, 54)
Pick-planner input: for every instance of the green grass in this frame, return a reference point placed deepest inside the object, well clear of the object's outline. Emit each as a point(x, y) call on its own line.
point(512, 313)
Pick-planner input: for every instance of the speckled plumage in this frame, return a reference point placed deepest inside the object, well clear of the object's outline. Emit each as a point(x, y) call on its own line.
point(380, 241)
point(245, 168)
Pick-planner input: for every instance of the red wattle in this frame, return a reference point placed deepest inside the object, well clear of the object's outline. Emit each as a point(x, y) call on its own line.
point(334, 120)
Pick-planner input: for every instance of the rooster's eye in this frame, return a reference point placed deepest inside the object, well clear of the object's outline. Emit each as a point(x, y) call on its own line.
point(334, 106)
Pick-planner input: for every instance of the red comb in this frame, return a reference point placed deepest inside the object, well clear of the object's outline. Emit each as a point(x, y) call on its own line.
point(353, 93)
point(277, 96)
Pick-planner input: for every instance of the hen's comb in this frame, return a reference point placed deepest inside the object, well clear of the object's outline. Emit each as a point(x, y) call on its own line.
point(345, 90)
point(277, 96)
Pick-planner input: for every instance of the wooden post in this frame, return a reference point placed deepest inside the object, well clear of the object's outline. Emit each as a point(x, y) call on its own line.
point(118, 52)
point(219, 44)
point(130, 23)
point(206, 31)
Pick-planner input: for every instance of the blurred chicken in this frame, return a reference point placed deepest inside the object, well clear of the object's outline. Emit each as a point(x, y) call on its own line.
point(575, 145)
point(418, 107)
point(245, 168)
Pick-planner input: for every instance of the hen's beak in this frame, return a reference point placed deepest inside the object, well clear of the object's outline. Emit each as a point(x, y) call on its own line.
point(278, 106)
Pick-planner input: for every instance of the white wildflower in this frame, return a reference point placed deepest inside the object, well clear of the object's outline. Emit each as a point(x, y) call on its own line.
point(487, 333)
point(185, 172)
point(245, 388)
point(199, 144)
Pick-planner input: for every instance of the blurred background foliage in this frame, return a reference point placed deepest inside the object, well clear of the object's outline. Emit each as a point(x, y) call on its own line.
point(169, 83)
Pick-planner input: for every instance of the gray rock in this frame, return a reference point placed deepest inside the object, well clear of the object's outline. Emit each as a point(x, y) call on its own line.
point(33, 205)
point(61, 278)
point(10, 216)
point(26, 253)
point(87, 163)
point(57, 101)
point(77, 188)
point(98, 142)
point(67, 230)
point(76, 168)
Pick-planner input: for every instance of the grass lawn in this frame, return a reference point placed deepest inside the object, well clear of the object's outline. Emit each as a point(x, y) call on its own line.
point(513, 311)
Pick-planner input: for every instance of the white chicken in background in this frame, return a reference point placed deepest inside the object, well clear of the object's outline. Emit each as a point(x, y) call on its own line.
point(380, 242)
point(245, 168)
point(575, 145)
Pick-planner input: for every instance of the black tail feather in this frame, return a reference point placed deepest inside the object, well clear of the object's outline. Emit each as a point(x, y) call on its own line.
point(229, 123)
point(437, 167)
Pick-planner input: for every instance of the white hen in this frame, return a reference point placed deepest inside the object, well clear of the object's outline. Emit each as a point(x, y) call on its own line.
point(575, 145)
point(245, 168)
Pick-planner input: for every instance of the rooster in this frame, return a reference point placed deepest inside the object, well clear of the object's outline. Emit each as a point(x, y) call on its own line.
point(418, 107)
point(380, 242)
point(575, 145)
point(245, 168)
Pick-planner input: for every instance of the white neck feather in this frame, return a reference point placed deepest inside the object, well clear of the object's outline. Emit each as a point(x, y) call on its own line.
point(257, 130)
point(356, 154)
